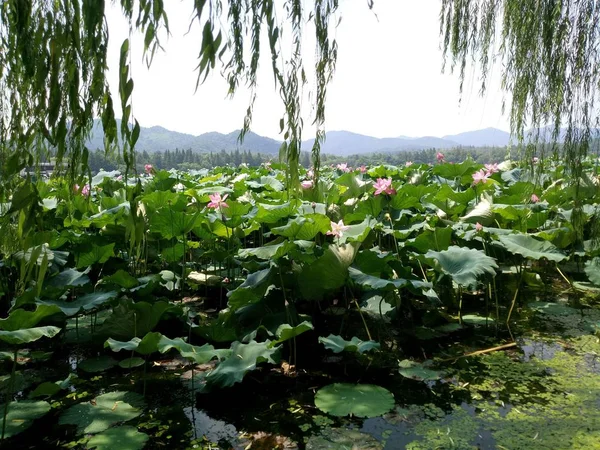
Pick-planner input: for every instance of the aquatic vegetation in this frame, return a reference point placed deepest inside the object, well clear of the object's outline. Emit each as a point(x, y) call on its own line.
point(371, 285)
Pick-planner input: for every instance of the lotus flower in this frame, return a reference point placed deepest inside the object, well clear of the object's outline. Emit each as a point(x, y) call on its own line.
point(85, 191)
point(440, 157)
point(409, 163)
point(478, 226)
point(343, 167)
point(149, 169)
point(310, 173)
point(535, 160)
point(120, 178)
point(217, 202)
point(307, 184)
point(492, 168)
point(179, 187)
point(480, 176)
point(384, 185)
point(363, 169)
point(534, 198)
point(337, 229)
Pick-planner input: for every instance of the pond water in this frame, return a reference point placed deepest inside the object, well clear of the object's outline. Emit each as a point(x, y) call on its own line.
point(544, 393)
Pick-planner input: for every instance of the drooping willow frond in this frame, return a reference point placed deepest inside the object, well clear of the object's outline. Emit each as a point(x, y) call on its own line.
point(548, 54)
point(53, 67)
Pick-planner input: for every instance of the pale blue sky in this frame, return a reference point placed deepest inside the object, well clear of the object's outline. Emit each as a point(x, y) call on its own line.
point(388, 80)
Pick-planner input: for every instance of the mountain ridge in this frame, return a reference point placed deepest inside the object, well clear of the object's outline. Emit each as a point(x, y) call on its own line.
point(341, 142)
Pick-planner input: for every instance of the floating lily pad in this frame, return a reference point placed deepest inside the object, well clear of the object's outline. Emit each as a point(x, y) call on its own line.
point(473, 319)
point(361, 400)
point(98, 364)
point(123, 438)
point(103, 412)
point(130, 363)
point(21, 415)
point(418, 371)
point(342, 439)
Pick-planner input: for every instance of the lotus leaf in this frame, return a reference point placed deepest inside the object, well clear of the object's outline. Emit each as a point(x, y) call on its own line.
point(464, 265)
point(418, 371)
point(123, 438)
point(592, 269)
point(531, 248)
point(105, 411)
point(21, 415)
point(361, 400)
point(343, 439)
point(243, 359)
point(337, 344)
point(86, 302)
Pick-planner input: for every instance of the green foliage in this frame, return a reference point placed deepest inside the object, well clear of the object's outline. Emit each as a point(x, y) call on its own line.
point(21, 415)
point(337, 344)
point(124, 437)
point(105, 411)
point(464, 265)
point(360, 400)
point(418, 371)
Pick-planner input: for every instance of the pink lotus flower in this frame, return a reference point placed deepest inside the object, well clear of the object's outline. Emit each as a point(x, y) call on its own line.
point(384, 185)
point(492, 168)
point(310, 173)
point(337, 229)
point(85, 191)
point(76, 188)
point(363, 169)
point(217, 202)
point(534, 198)
point(440, 157)
point(478, 226)
point(307, 184)
point(480, 176)
point(535, 160)
point(268, 165)
point(408, 163)
point(343, 167)
point(120, 178)
point(149, 168)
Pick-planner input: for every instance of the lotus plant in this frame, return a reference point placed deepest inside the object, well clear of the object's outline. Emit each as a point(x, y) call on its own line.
point(384, 186)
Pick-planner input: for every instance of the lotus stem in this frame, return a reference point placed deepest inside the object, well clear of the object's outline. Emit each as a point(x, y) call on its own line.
point(460, 304)
point(514, 300)
point(9, 392)
point(564, 277)
point(363, 319)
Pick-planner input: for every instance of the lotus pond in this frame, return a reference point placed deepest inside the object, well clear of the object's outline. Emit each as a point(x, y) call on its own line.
point(420, 307)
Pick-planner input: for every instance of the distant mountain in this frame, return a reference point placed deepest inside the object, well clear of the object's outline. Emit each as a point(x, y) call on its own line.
point(488, 137)
point(157, 138)
point(340, 143)
point(347, 143)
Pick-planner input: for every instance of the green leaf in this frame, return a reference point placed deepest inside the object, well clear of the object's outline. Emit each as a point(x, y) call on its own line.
point(531, 248)
point(464, 265)
point(130, 363)
point(123, 438)
point(286, 332)
point(418, 371)
point(98, 254)
point(68, 278)
point(473, 319)
point(121, 278)
point(360, 400)
point(342, 439)
point(19, 318)
point(84, 303)
point(22, 414)
point(106, 410)
point(337, 344)
point(250, 291)
point(371, 282)
point(305, 227)
point(592, 269)
point(28, 335)
point(98, 364)
point(45, 389)
point(243, 359)
point(328, 272)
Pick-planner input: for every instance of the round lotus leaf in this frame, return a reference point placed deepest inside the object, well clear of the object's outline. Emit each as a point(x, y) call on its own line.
point(123, 438)
point(418, 371)
point(342, 439)
point(473, 319)
point(361, 400)
point(103, 412)
point(98, 364)
point(21, 415)
point(130, 363)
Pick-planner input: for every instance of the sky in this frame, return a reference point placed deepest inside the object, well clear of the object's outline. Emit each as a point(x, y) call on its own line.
point(388, 82)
